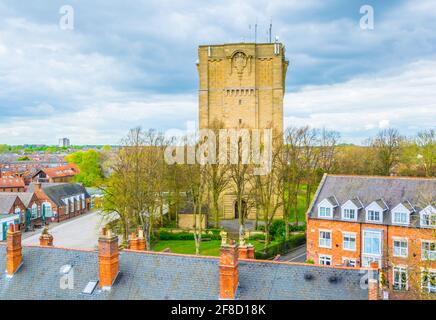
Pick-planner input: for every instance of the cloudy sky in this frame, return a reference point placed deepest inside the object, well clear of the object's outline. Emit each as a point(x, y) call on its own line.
point(129, 63)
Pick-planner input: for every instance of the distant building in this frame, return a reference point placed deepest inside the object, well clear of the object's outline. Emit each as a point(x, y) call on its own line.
point(56, 174)
point(62, 200)
point(64, 142)
point(11, 184)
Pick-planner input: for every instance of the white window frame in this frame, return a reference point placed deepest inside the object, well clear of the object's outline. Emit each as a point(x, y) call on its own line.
point(374, 213)
point(431, 255)
point(325, 258)
point(327, 244)
point(349, 205)
point(375, 208)
point(399, 251)
point(346, 214)
point(430, 285)
point(349, 235)
point(400, 209)
point(325, 204)
point(428, 214)
point(400, 269)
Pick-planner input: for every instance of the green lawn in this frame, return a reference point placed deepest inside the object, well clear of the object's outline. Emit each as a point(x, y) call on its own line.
point(207, 248)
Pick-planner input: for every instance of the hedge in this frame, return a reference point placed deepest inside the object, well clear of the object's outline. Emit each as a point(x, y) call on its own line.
point(281, 247)
point(165, 235)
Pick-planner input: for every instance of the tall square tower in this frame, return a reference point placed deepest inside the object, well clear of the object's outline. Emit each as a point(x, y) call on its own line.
point(242, 85)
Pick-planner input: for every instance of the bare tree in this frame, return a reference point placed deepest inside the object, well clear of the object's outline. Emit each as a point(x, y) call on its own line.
point(197, 191)
point(240, 172)
point(387, 145)
point(266, 189)
point(133, 187)
point(217, 175)
point(426, 141)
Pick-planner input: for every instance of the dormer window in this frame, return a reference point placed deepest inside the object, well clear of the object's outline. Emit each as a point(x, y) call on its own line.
point(350, 209)
point(326, 207)
point(428, 217)
point(401, 213)
point(374, 212)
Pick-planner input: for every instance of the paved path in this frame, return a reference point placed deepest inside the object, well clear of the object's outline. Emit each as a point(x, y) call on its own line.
point(296, 255)
point(80, 233)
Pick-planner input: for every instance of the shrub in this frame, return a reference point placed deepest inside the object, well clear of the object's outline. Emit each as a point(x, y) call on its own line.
point(168, 235)
point(257, 236)
point(294, 228)
point(277, 230)
point(310, 261)
point(281, 247)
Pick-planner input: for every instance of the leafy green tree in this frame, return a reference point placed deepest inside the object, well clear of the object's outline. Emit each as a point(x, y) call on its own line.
point(89, 165)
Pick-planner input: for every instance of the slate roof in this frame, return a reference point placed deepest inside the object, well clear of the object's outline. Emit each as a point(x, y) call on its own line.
point(390, 190)
point(6, 202)
point(356, 201)
point(58, 191)
point(25, 197)
point(169, 276)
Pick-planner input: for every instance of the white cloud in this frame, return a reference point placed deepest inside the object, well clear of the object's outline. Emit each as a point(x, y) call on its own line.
point(405, 99)
point(383, 124)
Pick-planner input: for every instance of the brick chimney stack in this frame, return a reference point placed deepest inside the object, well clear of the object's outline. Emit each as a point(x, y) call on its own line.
point(373, 281)
point(228, 271)
point(14, 256)
point(107, 258)
point(45, 239)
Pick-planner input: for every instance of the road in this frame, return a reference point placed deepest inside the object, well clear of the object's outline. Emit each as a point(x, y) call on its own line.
point(296, 255)
point(80, 233)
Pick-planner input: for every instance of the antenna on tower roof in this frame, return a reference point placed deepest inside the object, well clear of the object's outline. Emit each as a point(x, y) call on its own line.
point(255, 32)
point(270, 30)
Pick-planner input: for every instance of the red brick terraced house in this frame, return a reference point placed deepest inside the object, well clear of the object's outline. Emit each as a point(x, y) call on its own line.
point(57, 174)
point(61, 201)
point(357, 220)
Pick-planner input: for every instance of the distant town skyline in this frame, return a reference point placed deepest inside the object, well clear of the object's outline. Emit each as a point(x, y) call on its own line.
point(133, 64)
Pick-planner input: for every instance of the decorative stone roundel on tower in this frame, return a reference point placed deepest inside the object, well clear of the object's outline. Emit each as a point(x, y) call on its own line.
point(239, 62)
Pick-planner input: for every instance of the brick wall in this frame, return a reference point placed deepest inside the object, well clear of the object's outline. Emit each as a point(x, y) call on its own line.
point(413, 260)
